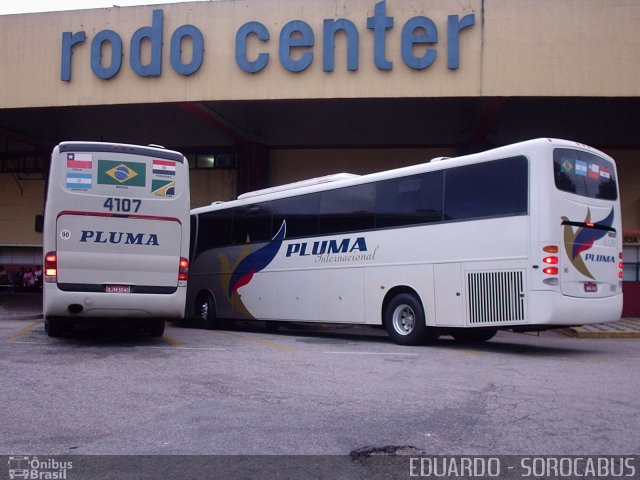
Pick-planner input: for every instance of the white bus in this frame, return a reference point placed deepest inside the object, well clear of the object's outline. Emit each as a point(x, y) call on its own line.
point(116, 235)
point(525, 237)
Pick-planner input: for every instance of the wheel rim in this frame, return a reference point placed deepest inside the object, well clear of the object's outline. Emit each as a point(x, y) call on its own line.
point(404, 319)
point(204, 309)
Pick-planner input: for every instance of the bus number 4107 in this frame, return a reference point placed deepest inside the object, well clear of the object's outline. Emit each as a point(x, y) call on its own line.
point(122, 204)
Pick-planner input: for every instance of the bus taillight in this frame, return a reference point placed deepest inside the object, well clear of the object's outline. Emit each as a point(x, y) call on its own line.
point(51, 267)
point(620, 266)
point(550, 259)
point(183, 271)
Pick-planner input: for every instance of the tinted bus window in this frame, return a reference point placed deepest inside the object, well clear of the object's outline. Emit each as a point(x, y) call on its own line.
point(194, 235)
point(301, 214)
point(252, 223)
point(409, 200)
point(214, 230)
point(347, 209)
point(489, 189)
point(584, 174)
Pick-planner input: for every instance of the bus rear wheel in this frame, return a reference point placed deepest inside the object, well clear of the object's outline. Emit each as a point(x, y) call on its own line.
point(405, 322)
point(206, 311)
point(55, 327)
point(154, 327)
point(474, 335)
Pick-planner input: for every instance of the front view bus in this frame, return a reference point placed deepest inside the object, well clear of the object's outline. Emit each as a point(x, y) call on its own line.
point(116, 235)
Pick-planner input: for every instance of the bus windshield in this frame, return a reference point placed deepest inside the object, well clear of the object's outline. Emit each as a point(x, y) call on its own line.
point(584, 174)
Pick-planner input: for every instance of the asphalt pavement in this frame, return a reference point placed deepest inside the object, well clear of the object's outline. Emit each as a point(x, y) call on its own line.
point(28, 306)
point(21, 305)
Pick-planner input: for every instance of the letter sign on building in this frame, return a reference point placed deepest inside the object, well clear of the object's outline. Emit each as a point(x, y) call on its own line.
point(296, 45)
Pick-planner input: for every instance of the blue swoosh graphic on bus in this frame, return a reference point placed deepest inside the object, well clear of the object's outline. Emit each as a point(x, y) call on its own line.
point(256, 261)
point(583, 239)
point(586, 237)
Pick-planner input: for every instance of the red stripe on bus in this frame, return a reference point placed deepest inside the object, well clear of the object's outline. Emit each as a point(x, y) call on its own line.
point(120, 215)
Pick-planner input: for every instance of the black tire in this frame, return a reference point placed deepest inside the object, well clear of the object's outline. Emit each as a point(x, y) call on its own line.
point(55, 327)
point(405, 322)
point(206, 311)
point(155, 327)
point(474, 335)
point(272, 325)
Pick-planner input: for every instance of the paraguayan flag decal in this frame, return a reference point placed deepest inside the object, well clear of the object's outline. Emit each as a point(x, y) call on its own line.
point(164, 167)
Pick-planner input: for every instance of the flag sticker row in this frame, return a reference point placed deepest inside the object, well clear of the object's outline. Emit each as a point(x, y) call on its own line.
point(119, 173)
point(585, 169)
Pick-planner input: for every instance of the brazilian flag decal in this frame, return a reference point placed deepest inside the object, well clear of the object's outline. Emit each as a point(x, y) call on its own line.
point(131, 174)
point(163, 188)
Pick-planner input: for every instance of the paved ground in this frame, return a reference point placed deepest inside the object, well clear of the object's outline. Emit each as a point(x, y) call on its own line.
point(21, 305)
point(298, 402)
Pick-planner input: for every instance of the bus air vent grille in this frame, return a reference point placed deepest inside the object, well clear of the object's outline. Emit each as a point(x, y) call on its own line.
point(496, 297)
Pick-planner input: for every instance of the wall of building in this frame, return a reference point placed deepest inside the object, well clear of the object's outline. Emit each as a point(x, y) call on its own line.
point(511, 48)
point(20, 201)
point(628, 163)
point(288, 166)
point(208, 186)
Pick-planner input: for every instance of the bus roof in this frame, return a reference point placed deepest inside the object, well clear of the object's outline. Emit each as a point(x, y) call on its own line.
point(334, 181)
point(150, 150)
point(301, 184)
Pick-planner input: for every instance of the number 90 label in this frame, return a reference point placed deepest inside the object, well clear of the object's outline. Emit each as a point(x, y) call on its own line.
point(65, 234)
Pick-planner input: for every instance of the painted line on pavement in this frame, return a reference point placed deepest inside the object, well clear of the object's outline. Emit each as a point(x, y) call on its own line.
point(372, 353)
point(213, 349)
point(24, 331)
point(261, 341)
point(172, 342)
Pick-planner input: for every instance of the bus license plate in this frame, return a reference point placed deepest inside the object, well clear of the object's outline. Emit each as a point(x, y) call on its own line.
point(118, 289)
point(591, 287)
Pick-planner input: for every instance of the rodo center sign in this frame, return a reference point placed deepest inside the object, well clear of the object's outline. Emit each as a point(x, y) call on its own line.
point(296, 45)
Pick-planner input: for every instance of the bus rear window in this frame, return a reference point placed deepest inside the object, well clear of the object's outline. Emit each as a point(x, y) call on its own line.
point(584, 174)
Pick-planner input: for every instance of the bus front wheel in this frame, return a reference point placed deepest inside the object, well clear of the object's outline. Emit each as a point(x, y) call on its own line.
point(206, 311)
point(405, 322)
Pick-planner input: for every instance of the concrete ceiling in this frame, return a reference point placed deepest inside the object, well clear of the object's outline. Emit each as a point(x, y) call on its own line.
point(466, 123)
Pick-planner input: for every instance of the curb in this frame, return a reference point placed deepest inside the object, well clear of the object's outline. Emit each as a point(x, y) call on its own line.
point(18, 316)
point(624, 328)
point(29, 317)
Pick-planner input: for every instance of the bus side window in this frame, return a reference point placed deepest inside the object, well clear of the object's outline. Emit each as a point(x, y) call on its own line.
point(252, 223)
point(193, 236)
point(347, 209)
point(488, 189)
point(214, 230)
point(409, 200)
point(300, 213)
